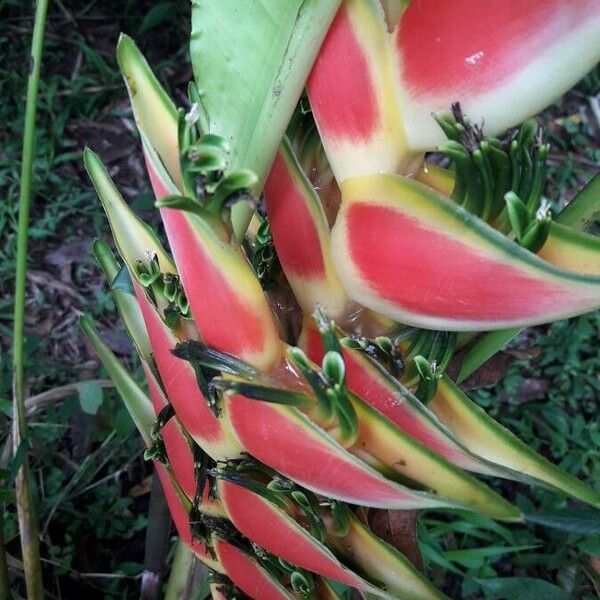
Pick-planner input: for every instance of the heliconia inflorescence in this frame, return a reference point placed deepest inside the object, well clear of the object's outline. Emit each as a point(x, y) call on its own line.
point(276, 425)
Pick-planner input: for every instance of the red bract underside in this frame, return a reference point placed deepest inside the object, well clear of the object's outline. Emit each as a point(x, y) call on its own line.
point(296, 239)
point(212, 298)
point(179, 379)
point(257, 520)
point(181, 517)
point(288, 446)
point(475, 46)
point(395, 255)
point(373, 392)
point(246, 573)
point(178, 450)
point(223, 320)
point(342, 66)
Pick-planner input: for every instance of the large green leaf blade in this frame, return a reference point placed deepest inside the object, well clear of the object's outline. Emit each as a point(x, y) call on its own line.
point(251, 60)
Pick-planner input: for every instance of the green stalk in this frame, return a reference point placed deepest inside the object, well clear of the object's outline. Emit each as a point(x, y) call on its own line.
point(4, 594)
point(28, 526)
point(183, 575)
point(156, 547)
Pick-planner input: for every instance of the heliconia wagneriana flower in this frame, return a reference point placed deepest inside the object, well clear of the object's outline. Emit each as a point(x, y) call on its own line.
point(275, 426)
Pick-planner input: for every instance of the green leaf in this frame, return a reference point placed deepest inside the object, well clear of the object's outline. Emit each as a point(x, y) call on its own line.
point(156, 16)
point(483, 349)
point(475, 557)
point(572, 520)
point(262, 81)
point(590, 547)
point(90, 396)
point(122, 281)
point(432, 555)
point(135, 399)
point(130, 568)
point(6, 407)
point(522, 588)
point(584, 209)
point(94, 59)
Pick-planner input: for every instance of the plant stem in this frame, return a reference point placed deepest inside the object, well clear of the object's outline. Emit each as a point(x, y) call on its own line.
point(28, 526)
point(4, 594)
point(183, 574)
point(157, 544)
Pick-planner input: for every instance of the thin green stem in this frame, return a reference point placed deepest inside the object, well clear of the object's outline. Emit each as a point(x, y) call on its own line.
point(4, 593)
point(28, 525)
point(183, 575)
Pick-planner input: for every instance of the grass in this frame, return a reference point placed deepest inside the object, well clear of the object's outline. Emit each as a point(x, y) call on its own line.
point(93, 493)
point(549, 398)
